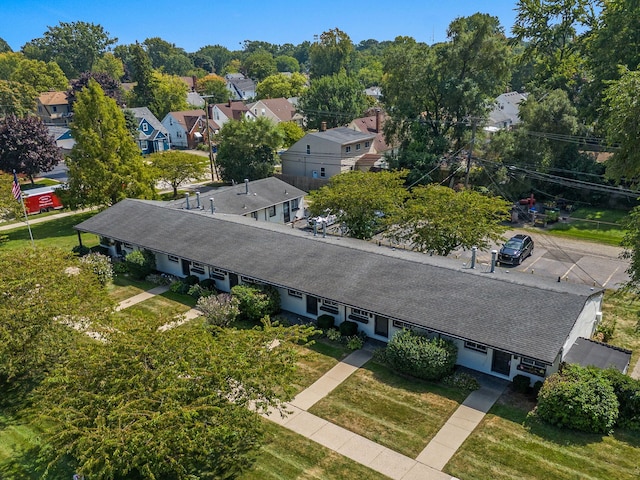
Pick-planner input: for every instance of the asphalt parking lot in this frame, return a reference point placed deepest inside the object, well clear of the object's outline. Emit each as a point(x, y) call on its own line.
point(564, 259)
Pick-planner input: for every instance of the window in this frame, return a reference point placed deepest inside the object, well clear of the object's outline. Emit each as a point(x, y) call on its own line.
point(329, 306)
point(358, 147)
point(308, 149)
point(295, 204)
point(254, 215)
point(411, 326)
point(532, 366)
point(197, 268)
point(367, 144)
point(217, 273)
point(127, 245)
point(248, 279)
point(347, 148)
point(173, 258)
point(272, 211)
point(476, 346)
point(322, 172)
point(55, 109)
point(145, 127)
point(359, 315)
point(294, 293)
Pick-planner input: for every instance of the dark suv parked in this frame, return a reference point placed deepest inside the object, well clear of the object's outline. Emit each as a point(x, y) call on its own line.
point(516, 249)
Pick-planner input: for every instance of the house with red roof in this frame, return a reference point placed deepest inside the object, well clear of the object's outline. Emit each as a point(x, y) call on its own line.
point(188, 128)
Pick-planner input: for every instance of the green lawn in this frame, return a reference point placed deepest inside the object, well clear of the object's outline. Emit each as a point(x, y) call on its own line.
point(53, 233)
point(285, 455)
point(317, 359)
point(507, 445)
point(592, 224)
point(623, 308)
point(400, 413)
point(125, 287)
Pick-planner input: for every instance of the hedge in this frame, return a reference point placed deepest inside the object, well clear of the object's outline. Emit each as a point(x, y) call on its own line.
point(419, 356)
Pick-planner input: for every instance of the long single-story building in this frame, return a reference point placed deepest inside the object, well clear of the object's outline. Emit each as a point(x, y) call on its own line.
point(503, 324)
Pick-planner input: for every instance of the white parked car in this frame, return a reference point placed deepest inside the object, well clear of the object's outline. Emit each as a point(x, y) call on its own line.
point(329, 219)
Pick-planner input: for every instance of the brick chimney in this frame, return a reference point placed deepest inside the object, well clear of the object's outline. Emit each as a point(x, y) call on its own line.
point(378, 120)
point(323, 126)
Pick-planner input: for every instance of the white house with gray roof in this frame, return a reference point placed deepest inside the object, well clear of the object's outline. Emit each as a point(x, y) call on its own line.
point(327, 153)
point(503, 325)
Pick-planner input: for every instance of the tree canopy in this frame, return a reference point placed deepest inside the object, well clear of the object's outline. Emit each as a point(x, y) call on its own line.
point(246, 149)
point(26, 146)
point(214, 86)
point(105, 164)
point(175, 167)
point(282, 86)
point(331, 54)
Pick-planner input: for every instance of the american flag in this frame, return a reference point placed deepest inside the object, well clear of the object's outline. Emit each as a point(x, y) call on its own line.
point(17, 193)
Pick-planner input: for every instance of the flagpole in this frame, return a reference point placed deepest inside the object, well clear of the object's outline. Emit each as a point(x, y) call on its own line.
point(16, 185)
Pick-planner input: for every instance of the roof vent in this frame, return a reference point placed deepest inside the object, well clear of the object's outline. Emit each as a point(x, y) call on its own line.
point(246, 186)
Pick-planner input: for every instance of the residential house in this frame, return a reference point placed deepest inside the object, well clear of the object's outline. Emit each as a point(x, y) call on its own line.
point(53, 108)
point(62, 137)
point(275, 109)
point(503, 325)
point(373, 124)
point(240, 87)
point(375, 92)
point(505, 113)
point(195, 99)
point(268, 199)
point(188, 128)
point(326, 153)
point(152, 136)
point(221, 113)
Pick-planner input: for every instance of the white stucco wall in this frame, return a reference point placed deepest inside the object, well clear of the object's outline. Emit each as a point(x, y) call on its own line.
point(586, 323)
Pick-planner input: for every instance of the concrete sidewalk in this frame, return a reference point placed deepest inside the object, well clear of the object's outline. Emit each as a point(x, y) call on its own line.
point(461, 424)
point(141, 297)
point(34, 221)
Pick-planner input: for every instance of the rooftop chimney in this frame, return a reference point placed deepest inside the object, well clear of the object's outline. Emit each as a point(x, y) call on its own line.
point(246, 186)
point(209, 111)
point(229, 104)
point(378, 120)
point(323, 126)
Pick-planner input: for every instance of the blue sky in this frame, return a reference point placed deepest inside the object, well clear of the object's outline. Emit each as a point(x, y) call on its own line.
point(229, 23)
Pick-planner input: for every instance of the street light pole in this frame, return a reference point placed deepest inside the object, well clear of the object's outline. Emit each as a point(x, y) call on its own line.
point(212, 164)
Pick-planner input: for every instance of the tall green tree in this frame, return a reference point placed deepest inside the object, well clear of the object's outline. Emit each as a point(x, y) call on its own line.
point(174, 405)
point(169, 94)
point(45, 291)
point(282, 86)
point(9, 61)
point(259, 65)
point(359, 199)
point(4, 46)
point(335, 99)
point(26, 146)
point(167, 57)
point(105, 164)
point(436, 219)
point(16, 98)
point(215, 86)
point(175, 168)
point(75, 46)
point(142, 74)
point(109, 64)
point(331, 54)
point(212, 58)
point(246, 149)
point(41, 76)
point(286, 63)
point(111, 87)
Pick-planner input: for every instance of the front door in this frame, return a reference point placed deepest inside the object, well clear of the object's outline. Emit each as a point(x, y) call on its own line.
point(233, 280)
point(285, 209)
point(501, 362)
point(186, 270)
point(382, 326)
point(312, 305)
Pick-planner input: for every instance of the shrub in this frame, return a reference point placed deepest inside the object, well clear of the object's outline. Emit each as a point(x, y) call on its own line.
point(334, 335)
point(462, 380)
point(521, 383)
point(354, 342)
point(100, 265)
point(209, 284)
point(219, 310)
point(579, 398)
point(160, 278)
point(627, 392)
point(256, 302)
point(191, 280)
point(196, 291)
point(140, 263)
point(419, 356)
point(536, 388)
point(179, 287)
point(120, 267)
point(605, 331)
point(348, 328)
point(326, 322)
point(80, 250)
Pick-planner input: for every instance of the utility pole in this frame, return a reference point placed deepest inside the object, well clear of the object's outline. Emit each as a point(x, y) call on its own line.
point(473, 141)
point(212, 164)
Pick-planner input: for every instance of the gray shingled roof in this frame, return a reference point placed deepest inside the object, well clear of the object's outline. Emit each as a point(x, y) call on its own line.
point(343, 135)
point(262, 194)
point(588, 353)
point(518, 313)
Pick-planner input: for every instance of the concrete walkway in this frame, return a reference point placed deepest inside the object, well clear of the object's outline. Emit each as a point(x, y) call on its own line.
point(141, 297)
point(33, 221)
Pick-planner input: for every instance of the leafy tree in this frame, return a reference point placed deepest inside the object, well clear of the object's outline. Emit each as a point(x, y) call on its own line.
point(255, 303)
point(358, 198)
point(246, 149)
point(41, 76)
point(9, 61)
point(110, 86)
point(142, 74)
point(26, 146)
point(167, 57)
point(622, 126)
point(627, 391)
point(438, 219)
point(579, 398)
point(4, 46)
point(16, 99)
point(100, 265)
point(282, 86)
point(371, 72)
point(631, 244)
point(105, 164)
point(110, 65)
point(259, 65)
point(335, 99)
point(9, 207)
point(214, 85)
point(285, 63)
point(169, 94)
point(173, 404)
point(219, 310)
point(176, 168)
point(331, 54)
point(212, 58)
point(74, 46)
point(44, 291)
point(140, 263)
point(291, 133)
